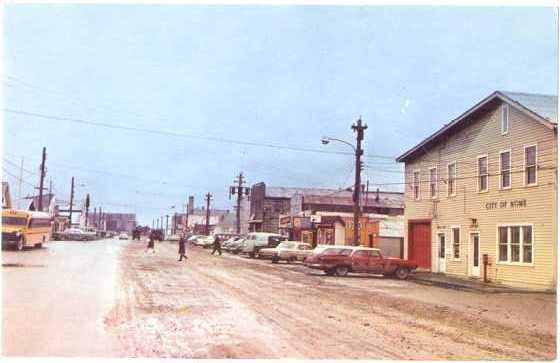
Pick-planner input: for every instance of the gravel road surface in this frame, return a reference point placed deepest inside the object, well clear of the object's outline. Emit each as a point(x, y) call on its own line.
point(234, 307)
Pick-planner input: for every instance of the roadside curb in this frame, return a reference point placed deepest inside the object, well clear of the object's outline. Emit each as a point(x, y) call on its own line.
point(473, 286)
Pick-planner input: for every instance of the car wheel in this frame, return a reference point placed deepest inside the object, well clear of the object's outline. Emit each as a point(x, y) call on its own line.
point(341, 271)
point(329, 272)
point(292, 259)
point(252, 254)
point(275, 260)
point(402, 273)
point(20, 244)
point(38, 245)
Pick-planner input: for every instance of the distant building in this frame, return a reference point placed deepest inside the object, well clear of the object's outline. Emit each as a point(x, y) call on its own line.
point(119, 222)
point(269, 203)
point(198, 217)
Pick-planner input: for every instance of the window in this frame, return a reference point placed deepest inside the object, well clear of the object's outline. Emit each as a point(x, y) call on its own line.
point(505, 119)
point(361, 254)
point(531, 165)
point(505, 169)
point(374, 254)
point(40, 223)
point(416, 185)
point(456, 242)
point(515, 244)
point(433, 182)
point(451, 176)
point(15, 221)
point(441, 245)
point(483, 173)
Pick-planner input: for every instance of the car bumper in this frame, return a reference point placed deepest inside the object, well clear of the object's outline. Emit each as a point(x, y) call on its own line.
point(316, 266)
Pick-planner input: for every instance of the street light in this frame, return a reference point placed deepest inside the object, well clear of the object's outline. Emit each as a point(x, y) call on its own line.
point(358, 152)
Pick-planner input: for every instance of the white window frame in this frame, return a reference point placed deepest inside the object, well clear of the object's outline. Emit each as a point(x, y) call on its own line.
point(504, 110)
point(500, 168)
point(453, 243)
point(521, 241)
point(414, 196)
point(445, 245)
point(436, 182)
point(525, 147)
point(478, 175)
point(454, 180)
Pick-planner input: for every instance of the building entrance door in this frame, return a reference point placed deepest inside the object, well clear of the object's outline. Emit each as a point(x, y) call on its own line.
point(441, 252)
point(475, 254)
point(420, 243)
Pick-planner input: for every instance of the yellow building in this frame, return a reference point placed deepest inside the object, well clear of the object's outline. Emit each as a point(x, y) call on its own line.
point(485, 184)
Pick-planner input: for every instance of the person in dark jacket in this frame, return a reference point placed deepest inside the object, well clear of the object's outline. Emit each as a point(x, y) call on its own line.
point(182, 249)
point(151, 242)
point(217, 245)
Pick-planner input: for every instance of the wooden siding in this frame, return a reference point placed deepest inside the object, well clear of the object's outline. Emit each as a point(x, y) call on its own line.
point(468, 206)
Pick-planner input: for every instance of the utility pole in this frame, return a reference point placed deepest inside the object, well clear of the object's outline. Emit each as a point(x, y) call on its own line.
point(71, 201)
point(42, 179)
point(207, 226)
point(359, 129)
point(166, 224)
point(19, 184)
point(87, 208)
point(94, 219)
point(153, 223)
point(239, 190)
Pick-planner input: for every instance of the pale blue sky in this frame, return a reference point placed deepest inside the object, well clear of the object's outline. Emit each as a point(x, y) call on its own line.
point(272, 74)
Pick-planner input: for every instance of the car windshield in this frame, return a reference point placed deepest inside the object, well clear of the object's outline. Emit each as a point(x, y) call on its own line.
point(287, 245)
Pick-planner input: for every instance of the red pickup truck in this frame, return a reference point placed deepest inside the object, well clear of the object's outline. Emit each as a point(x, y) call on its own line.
point(344, 259)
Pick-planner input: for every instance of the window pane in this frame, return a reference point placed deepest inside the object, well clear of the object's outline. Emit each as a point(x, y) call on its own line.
point(531, 175)
point(531, 155)
point(502, 240)
point(456, 248)
point(503, 252)
point(482, 166)
point(527, 244)
point(483, 185)
point(505, 119)
point(451, 178)
point(515, 253)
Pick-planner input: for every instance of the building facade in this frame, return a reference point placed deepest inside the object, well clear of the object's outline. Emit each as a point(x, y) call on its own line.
point(483, 188)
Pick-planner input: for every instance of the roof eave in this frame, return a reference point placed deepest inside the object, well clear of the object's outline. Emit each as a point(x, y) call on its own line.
point(496, 94)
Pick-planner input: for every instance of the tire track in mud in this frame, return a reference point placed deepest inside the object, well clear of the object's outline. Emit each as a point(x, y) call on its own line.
point(461, 329)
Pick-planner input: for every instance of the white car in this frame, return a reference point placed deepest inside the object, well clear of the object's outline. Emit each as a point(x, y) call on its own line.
point(123, 236)
point(204, 241)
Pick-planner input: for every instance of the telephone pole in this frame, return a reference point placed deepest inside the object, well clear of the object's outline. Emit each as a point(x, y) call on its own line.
point(87, 208)
point(238, 189)
point(166, 224)
point(42, 179)
point(19, 184)
point(207, 226)
point(359, 129)
point(71, 201)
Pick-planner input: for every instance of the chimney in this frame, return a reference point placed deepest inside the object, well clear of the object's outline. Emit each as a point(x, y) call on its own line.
point(377, 195)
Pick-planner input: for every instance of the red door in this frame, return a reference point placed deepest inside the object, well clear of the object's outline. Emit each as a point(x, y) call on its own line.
point(420, 243)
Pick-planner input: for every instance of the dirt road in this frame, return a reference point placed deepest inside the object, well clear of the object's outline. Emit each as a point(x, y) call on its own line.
point(233, 307)
point(55, 299)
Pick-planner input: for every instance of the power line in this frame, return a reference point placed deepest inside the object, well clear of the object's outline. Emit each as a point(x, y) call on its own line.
point(184, 135)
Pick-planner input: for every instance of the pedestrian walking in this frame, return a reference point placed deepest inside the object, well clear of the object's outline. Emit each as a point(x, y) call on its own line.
point(182, 249)
point(151, 242)
point(217, 245)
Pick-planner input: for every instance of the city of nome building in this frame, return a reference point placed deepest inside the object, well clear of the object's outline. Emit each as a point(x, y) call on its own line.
point(484, 185)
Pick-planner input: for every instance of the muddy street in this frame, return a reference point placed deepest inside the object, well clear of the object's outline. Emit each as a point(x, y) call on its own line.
point(234, 307)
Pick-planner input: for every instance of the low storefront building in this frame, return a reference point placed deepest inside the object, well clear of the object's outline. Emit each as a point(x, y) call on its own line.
point(483, 188)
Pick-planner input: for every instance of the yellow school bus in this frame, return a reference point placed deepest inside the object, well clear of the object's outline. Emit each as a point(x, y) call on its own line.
point(21, 228)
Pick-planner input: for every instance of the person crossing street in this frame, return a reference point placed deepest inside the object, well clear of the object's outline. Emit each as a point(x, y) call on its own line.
point(182, 249)
point(217, 245)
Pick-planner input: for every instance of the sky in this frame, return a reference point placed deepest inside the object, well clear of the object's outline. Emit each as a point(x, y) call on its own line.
point(210, 86)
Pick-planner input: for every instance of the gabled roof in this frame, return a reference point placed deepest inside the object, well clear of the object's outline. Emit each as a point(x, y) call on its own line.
point(541, 108)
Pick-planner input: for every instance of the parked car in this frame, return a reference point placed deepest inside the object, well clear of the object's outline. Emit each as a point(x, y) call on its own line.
point(76, 234)
point(123, 236)
point(204, 241)
point(344, 259)
point(229, 241)
point(235, 246)
point(192, 239)
point(255, 241)
point(289, 251)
